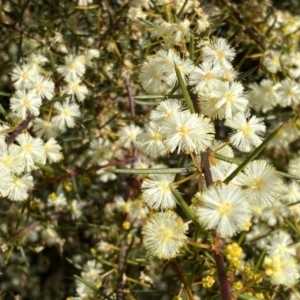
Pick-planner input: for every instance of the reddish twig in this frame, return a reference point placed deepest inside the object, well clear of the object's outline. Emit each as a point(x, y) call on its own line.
point(130, 96)
point(18, 130)
point(32, 36)
point(71, 174)
point(181, 276)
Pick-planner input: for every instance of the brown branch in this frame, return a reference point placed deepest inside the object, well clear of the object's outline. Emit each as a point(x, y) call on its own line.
point(32, 36)
point(29, 228)
point(121, 263)
point(18, 130)
point(225, 288)
point(71, 174)
point(181, 276)
point(130, 96)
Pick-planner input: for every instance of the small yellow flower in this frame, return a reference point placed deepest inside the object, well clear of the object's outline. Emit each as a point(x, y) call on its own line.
point(126, 225)
point(208, 282)
point(237, 285)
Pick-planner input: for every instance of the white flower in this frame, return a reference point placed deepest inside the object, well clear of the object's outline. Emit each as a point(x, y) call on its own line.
point(22, 75)
point(66, 114)
point(35, 60)
point(6, 180)
point(73, 68)
point(229, 74)
point(45, 128)
point(75, 88)
point(225, 209)
point(206, 75)
point(222, 170)
point(185, 66)
point(165, 110)
point(42, 86)
point(136, 209)
point(32, 149)
point(75, 209)
point(84, 2)
point(23, 102)
point(294, 166)
point(13, 158)
point(291, 192)
point(272, 61)
point(157, 192)
point(189, 132)
point(230, 99)
point(20, 187)
point(219, 52)
point(164, 30)
point(104, 175)
point(57, 201)
point(52, 151)
point(4, 130)
point(164, 234)
point(248, 131)
point(261, 184)
point(181, 31)
point(151, 141)
point(91, 274)
point(289, 93)
point(281, 270)
point(202, 21)
point(263, 97)
point(152, 78)
point(128, 135)
point(101, 149)
point(135, 13)
point(275, 213)
point(280, 244)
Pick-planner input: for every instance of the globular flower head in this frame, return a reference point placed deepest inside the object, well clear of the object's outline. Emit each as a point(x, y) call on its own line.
point(24, 103)
point(164, 234)
point(281, 270)
point(157, 192)
point(280, 243)
point(188, 132)
point(73, 67)
point(219, 52)
point(230, 99)
point(165, 110)
point(248, 131)
point(151, 141)
point(128, 135)
point(225, 209)
point(66, 114)
point(261, 183)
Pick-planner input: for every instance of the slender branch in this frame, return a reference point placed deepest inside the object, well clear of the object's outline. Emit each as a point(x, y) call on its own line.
point(225, 289)
point(30, 228)
point(130, 96)
point(17, 28)
point(181, 276)
point(121, 263)
point(71, 174)
point(18, 130)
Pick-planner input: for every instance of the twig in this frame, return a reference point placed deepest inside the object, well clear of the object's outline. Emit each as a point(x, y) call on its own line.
point(18, 130)
point(71, 174)
point(29, 228)
point(179, 272)
point(225, 289)
point(130, 96)
point(121, 264)
point(17, 28)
